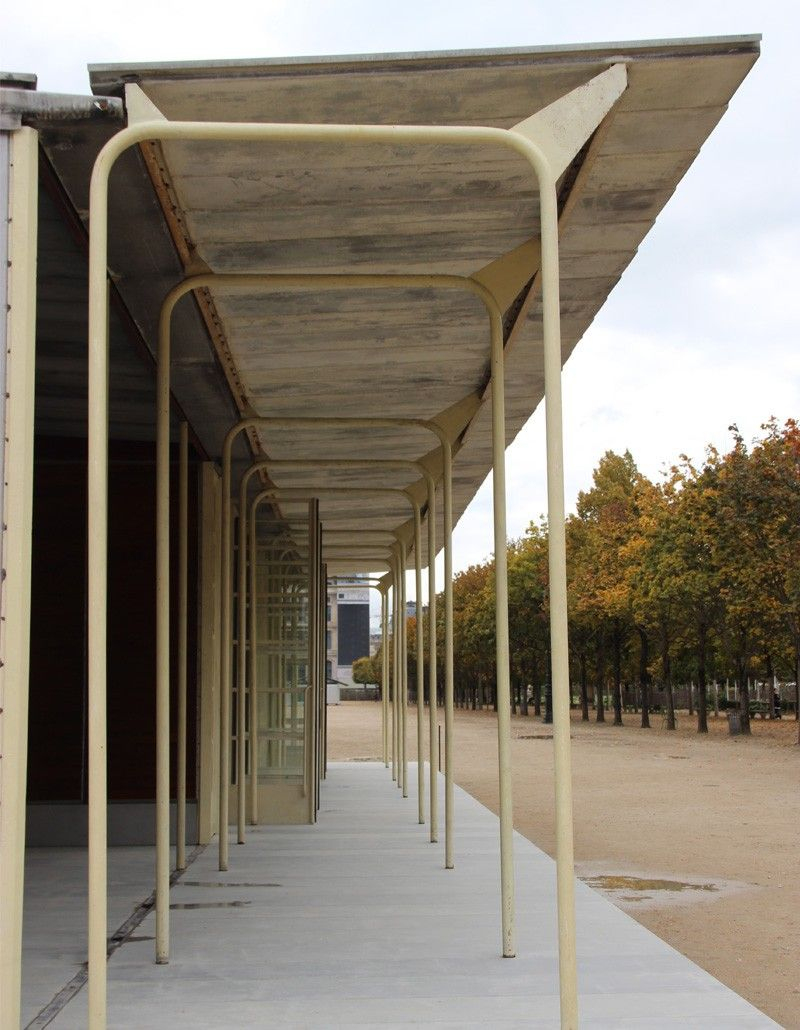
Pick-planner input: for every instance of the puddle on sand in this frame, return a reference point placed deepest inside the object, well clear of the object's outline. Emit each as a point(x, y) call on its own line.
point(636, 883)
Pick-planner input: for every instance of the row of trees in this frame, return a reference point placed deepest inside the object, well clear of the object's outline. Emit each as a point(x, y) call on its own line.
point(693, 578)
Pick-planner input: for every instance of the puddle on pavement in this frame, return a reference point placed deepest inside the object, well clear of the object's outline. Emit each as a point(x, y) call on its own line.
point(636, 883)
point(534, 736)
point(210, 904)
point(637, 890)
point(213, 883)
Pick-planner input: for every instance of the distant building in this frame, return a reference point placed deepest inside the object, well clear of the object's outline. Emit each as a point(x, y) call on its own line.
point(348, 636)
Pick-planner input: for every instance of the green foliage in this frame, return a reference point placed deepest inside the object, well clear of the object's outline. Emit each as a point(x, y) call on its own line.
point(699, 575)
point(367, 670)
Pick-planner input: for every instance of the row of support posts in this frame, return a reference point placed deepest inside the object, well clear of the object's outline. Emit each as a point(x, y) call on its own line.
point(546, 178)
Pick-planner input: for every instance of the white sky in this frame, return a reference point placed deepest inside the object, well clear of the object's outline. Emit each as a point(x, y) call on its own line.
point(702, 330)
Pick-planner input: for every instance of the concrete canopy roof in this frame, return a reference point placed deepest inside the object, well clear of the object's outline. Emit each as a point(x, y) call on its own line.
point(299, 208)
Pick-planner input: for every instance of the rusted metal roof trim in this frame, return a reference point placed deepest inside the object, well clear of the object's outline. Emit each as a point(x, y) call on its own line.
point(27, 107)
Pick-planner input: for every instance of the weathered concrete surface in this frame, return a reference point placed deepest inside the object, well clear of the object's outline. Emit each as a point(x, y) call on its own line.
point(354, 922)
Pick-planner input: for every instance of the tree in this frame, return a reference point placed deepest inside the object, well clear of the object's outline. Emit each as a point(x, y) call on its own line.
point(654, 595)
point(760, 532)
point(694, 570)
point(609, 512)
point(367, 670)
point(528, 612)
point(473, 624)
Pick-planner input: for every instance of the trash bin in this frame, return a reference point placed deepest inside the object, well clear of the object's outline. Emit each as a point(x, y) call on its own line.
point(734, 721)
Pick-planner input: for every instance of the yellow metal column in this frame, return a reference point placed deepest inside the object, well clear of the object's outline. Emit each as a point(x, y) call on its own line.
point(395, 667)
point(226, 591)
point(241, 669)
point(502, 647)
point(565, 861)
point(433, 725)
point(97, 591)
point(253, 665)
point(183, 612)
point(208, 654)
point(384, 677)
point(403, 682)
point(449, 729)
point(420, 656)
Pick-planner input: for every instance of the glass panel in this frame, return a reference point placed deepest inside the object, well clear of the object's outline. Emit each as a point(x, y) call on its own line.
point(282, 649)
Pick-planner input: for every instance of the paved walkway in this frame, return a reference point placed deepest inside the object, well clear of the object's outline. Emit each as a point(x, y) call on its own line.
point(354, 923)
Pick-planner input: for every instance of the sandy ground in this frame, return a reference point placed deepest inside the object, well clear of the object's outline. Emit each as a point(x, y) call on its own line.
point(695, 837)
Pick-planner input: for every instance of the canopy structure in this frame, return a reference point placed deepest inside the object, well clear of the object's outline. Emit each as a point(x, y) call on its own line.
point(347, 283)
point(369, 209)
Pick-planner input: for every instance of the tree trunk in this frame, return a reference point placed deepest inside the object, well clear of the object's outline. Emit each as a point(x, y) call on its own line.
point(702, 706)
point(744, 696)
point(584, 691)
point(770, 674)
point(599, 688)
point(797, 687)
point(644, 677)
point(523, 697)
point(548, 694)
point(617, 639)
point(666, 673)
point(537, 690)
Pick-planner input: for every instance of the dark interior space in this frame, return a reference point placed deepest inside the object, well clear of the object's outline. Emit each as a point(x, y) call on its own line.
point(57, 758)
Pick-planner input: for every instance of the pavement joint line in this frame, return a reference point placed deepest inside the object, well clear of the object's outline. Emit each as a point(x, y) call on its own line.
point(123, 933)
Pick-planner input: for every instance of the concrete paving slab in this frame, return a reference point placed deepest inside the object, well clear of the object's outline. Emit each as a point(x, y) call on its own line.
point(355, 923)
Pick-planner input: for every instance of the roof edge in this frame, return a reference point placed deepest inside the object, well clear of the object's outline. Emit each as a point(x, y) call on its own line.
point(111, 77)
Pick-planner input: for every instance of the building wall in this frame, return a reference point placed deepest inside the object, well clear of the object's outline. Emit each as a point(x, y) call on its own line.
point(348, 624)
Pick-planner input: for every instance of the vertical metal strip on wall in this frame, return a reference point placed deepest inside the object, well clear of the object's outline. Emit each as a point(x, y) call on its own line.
point(18, 214)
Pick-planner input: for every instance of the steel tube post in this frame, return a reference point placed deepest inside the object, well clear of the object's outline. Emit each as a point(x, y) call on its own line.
point(420, 654)
point(565, 863)
point(502, 646)
point(97, 590)
point(253, 667)
point(225, 667)
point(241, 668)
point(183, 612)
point(403, 683)
point(433, 742)
point(385, 677)
point(449, 743)
point(395, 767)
point(162, 657)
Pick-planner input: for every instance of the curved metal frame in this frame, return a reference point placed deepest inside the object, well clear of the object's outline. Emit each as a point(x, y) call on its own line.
point(546, 179)
point(299, 464)
point(299, 494)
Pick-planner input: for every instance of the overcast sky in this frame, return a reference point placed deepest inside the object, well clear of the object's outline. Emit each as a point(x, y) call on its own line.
point(701, 331)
